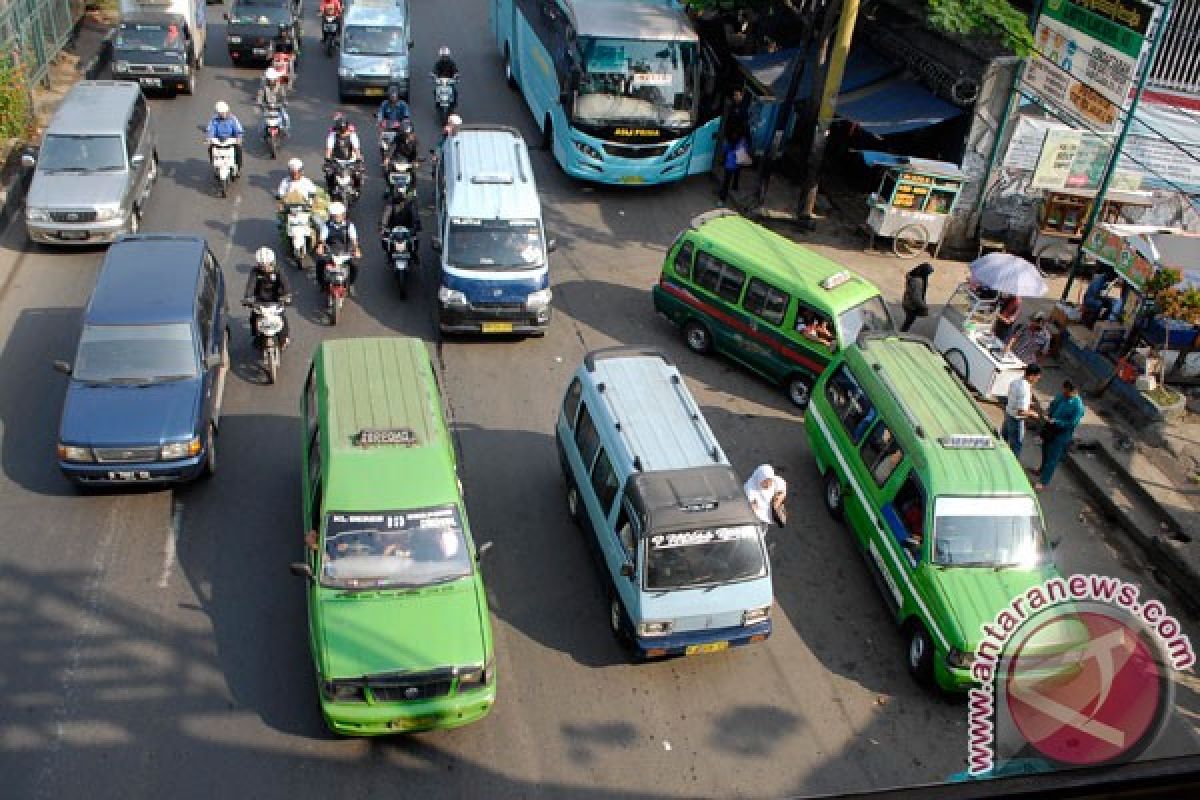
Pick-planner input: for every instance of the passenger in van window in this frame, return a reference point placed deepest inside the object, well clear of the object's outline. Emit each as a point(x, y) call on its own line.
point(767, 492)
point(913, 517)
point(818, 330)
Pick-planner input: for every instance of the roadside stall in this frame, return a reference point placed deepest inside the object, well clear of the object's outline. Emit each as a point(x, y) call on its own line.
point(964, 330)
point(1061, 217)
point(915, 199)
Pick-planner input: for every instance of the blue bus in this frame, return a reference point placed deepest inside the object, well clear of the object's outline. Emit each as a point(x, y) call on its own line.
point(622, 90)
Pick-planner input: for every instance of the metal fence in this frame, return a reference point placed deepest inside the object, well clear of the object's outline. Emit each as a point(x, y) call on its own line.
point(33, 32)
point(1177, 66)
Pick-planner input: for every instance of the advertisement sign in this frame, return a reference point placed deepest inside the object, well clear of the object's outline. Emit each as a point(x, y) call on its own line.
point(1118, 252)
point(1073, 159)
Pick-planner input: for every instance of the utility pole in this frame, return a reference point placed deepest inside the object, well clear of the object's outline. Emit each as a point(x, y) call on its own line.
point(834, 67)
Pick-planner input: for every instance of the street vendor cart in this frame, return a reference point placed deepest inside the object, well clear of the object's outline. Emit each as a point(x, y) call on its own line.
point(914, 200)
point(1062, 215)
point(964, 336)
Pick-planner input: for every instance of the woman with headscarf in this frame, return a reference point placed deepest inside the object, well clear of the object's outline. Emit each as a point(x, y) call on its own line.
point(766, 492)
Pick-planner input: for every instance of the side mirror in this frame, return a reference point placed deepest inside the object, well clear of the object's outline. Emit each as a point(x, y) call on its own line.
point(483, 548)
point(437, 244)
point(212, 361)
point(28, 160)
point(301, 570)
point(137, 160)
point(410, 44)
point(63, 366)
point(627, 569)
point(551, 245)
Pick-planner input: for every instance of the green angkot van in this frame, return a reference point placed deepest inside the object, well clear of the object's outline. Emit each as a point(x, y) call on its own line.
point(942, 510)
point(398, 620)
point(736, 288)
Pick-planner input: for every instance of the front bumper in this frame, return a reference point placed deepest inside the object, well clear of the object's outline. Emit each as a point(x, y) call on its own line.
point(77, 233)
point(381, 719)
point(677, 644)
point(615, 170)
point(157, 472)
point(510, 318)
point(371, 85)
point(176, 81)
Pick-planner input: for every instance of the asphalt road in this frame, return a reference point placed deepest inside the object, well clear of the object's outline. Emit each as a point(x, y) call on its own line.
point(154, 643)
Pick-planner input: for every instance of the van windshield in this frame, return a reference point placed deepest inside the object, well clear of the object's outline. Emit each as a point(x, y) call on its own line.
point(135, 354)
point(703, 557)
point(374, 40)
point(149, 37)
point(871, 316)
point(406, 548)
point(988, 532)
point(492, 243)
point(246, 14)
point(81, 153)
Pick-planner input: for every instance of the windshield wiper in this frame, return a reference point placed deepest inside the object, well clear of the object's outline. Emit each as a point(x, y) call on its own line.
point(66, 169)
point(170, 378)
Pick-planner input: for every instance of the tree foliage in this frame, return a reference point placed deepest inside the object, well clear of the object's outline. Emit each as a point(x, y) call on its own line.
point(996, 17)
point(1170, 300)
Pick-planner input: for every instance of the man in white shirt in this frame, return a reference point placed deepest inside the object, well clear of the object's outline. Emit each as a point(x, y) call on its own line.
point(1019, 408)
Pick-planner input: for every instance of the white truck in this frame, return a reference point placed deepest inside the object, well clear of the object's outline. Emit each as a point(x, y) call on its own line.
point(160, 43)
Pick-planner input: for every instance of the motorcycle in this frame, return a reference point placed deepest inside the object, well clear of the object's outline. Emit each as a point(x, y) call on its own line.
point(273, 131)
point(402, 251)
point(401, 180)
point(222, 153)
point(286, 64)
point(298, 226)
point(445, 96)
point(337, 277)
point(269, 318)
point(330, 24)
point(344, 190)
point(389, 129)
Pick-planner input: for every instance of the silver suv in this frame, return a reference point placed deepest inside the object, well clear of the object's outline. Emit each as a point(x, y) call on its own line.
point(95, 168)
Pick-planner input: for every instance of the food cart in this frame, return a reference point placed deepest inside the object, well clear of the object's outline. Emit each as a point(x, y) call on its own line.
point(1063, 213)
point(964, 337)
point(914, 200)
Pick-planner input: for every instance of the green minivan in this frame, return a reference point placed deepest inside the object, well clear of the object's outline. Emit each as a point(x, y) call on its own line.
point(780, 309)
point(946, 519)
point(398, 619)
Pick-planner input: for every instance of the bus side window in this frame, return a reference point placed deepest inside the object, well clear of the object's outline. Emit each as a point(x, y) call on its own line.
point(626, 532)
point(708, 271)
point(604, 483)
point(766, 302)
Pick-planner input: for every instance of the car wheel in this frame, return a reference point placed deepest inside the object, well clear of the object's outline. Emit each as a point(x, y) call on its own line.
point(548, 136)
point(509, 78)
point(574, 502)
point(210, 459)
point(697, 338)
point(834, 495)
point(799, 390)
point(615, 615)
point(920, 654)
point(191, 84)
point(135, 220)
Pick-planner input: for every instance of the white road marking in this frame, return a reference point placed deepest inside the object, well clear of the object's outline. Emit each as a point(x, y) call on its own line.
point(233, 223)
point(666, 745)
point(172, 542)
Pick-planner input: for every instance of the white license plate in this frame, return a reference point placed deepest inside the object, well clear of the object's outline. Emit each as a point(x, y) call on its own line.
point(129, 475)
point(153, 82)
point(72, 234)
point(259, 51)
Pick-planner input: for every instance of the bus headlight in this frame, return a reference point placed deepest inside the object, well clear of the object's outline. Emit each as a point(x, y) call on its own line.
point(37, 214)
point(345, 72)
point(681, 151)
point(754, 616)
point(121, 66)
point(661, 628)
point(588, 150)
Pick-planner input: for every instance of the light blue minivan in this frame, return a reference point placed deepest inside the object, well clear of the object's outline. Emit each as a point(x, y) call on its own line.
point(683, 556)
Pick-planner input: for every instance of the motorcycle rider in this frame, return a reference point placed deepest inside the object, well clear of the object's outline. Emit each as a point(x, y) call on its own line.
point(342, 143)
point(224, 125)
point(338, 235)
point(296, 187)
point(404, 148)
point(393, 109)
point(266, 284)
point(445, 67)
point(273, 93)
point(332, 8)
point(400, 211)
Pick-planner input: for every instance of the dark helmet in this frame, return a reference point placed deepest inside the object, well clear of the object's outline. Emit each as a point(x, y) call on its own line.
point(394, 93)
point(341, 125)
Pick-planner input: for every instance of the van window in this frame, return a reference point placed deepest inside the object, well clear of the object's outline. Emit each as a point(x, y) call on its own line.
point(135, 126)
point(571, 401)
point(816, 326)
point(850, 403)
point(683, 260)
point(910, 508)
point(766, 301)
point(718, 277)
point(205, 308)
point(626, 532)
point(604, 482)
point(881, 453)
point(310, 401)
point(587, 439)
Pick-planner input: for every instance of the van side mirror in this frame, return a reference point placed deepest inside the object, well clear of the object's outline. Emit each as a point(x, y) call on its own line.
point(551, 245)
point(627, 569)
point(483, 548)
point(63, 366)
point(137, 160)
point(301, 570)
point(212, 361)
point(28, 160)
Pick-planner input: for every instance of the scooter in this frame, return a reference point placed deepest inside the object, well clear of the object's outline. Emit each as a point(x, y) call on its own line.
point(402, 252)
point(389, 129)
point(222, 153)
point(330, 25)
point(445, 96)
point(299, 230)
point(337, 276)
point(269, 317)
point(287, 63)
point(401, 180)
point(273, 131)
point(344, 189)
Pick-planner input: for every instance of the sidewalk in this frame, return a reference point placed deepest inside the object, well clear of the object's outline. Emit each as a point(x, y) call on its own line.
point(1147, 481)
point(85, 57)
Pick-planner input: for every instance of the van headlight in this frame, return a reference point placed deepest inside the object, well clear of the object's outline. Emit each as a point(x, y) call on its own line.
point(104, 213)
point(37, 215)
point(72, 452)
point(960, 659)
point(681, 151)
point(538, 300)
point(476, 677)
point(753, 616)
point(345, 72)
point(177, 69)
point(661, 628)
point(234, 39)
point(121, 66)
point(451, 297)
point(588, 150)
point(400, 72)
point(343, 691)
point(176, 450)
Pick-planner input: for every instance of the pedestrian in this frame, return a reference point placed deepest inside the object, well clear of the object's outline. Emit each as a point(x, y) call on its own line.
point(737, 115)
point(1062, 418)
point(735, 154)
point(916, 283)
point(1018, 408)
point(1031, 341)
point(1006, 316)
point(766, 492)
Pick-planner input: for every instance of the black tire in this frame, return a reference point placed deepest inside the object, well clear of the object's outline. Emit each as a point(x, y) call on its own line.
point(271, 368)
point(616, 615)
point(210, 456)
point(697, 338)
point(403, 283)
point(958, 362)
point(919, 654)
point(574, 502)
point(509, 77)
point(834, 495)
point(334, 311)
point(273, 147)
point(548, 136)
point(799, 389)
point(910, 241)
point(223, 187)
point(135, 220)
point(329, 48)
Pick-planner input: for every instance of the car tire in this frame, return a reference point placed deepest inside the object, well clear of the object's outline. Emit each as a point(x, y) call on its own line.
point(697, 338)
point(799, 390)
point(834, 495)
point(135, 220)
point(210, 452)
point(190, 88)
point(574, 503)
point(509, 77)
point(919, 653)
point(548, 136)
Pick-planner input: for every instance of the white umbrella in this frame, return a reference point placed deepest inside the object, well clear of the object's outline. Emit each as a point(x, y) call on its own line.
point(1009, 274)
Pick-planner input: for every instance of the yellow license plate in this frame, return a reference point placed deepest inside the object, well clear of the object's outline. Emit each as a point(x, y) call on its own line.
point(413, 723)
point(632, 179)
point(708, 647)
point(497, 327)
point(373, 91)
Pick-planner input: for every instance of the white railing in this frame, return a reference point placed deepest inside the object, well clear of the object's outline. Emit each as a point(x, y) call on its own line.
point(1177, 66)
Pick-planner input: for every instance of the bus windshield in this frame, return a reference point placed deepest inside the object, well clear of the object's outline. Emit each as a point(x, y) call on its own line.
point(636, 82)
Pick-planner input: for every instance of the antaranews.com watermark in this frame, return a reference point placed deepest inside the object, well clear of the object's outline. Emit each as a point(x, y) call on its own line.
point(1076, 671)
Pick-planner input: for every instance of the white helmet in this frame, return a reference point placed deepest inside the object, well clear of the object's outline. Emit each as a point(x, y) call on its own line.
point(336, 209)
point(443, 51)
point(295, 164)
point(271, 74)
point(221, 107)
point(454, 119)
point(265, 257)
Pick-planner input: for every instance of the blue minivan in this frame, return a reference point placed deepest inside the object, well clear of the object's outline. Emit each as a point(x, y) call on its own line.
point(681, 551)
point(145, 392)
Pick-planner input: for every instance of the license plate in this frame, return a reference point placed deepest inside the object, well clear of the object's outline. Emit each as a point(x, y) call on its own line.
point(72, 234)
point(413, 723)
point(150, 81)
point(371, 91)
point(632, 179)
point(497, 327)
point(707, 647)
point(129, 475)
point(259, 51)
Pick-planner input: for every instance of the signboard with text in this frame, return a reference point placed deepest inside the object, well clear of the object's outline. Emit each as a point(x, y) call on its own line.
point(1071, 159)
